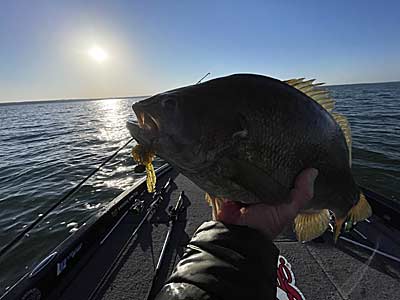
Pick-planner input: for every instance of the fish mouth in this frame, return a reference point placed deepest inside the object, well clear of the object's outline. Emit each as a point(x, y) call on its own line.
point(145, 129)
point(147, 122)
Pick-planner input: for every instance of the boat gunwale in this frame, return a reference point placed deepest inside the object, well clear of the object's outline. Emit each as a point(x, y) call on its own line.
point(46, 279)
point(76, 246)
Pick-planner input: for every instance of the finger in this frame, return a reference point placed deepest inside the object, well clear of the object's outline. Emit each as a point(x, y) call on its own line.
point(247, 213)
point(303, 190)
point(254, 214)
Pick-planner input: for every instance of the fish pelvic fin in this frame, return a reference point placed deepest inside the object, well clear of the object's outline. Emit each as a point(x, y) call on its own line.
point(345, 126)
point(361, 211)
point(319, 95)
point(215, 204)
point(309, 226)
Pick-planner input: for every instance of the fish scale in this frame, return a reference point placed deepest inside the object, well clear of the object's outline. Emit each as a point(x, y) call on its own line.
point(246, 137)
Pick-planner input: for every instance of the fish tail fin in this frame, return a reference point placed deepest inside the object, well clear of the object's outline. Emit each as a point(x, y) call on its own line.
point(215, 204)
point(309, 226)
point(361, 211)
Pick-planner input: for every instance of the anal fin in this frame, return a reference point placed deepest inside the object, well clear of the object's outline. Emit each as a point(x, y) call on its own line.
point(309, 226)
point(359, 212)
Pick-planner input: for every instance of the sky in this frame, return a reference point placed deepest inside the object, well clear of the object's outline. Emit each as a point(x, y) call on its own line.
point(152, 46)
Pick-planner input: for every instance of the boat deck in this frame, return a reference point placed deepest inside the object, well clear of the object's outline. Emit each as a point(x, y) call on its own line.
point(322, 270)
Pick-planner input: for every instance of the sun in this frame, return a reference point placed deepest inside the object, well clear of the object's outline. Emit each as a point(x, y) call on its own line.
point(98, 54)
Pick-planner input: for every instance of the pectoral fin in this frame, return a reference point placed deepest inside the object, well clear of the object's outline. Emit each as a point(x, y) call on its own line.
point(309, 226)
point(256, 180)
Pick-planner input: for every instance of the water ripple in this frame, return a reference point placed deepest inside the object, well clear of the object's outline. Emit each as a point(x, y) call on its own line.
point(48, 148)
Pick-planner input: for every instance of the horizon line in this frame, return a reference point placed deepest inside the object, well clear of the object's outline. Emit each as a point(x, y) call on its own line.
point(30, 101)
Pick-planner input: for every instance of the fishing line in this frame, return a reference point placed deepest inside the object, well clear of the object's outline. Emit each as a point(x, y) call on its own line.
point(54, 206)
point(354, 280)
point(374, 250)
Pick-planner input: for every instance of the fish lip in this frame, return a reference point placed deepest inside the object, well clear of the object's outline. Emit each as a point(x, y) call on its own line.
point(145, 129)
point(135, 131)
point(141, 135)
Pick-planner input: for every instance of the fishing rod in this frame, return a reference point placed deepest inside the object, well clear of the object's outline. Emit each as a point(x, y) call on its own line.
point(363, 246)
point(19, 236)
point(173, 219)
point(157, 198)
point(136, 208)
point(202, 78)
point(373, 250)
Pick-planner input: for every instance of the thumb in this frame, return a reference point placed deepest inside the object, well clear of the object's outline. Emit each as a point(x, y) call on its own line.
point(303, 190)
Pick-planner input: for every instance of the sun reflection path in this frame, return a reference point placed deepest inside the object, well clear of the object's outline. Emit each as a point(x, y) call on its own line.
point(112, 127)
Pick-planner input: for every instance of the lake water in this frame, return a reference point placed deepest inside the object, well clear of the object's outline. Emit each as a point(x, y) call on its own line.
point(46, 148)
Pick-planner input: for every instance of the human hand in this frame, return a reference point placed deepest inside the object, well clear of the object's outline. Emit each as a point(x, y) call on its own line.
point(268, 219)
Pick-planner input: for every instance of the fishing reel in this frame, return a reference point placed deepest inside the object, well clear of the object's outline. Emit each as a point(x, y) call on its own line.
point(174, 212)
point(138, 203)
point(347, 227)
point(137, 206)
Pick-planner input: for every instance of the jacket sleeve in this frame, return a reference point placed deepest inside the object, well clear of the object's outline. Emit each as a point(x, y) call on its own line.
point(224, 262)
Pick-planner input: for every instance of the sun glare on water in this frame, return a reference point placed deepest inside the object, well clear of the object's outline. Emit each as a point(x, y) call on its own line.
point(97, 54)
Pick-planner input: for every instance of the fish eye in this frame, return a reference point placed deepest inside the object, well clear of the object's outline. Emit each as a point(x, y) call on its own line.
point(169, 103)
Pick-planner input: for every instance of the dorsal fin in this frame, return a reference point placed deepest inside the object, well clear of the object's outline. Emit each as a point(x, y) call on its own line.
point(322, 97)
point(345, 126)
point(294, 81)
point(319, 95)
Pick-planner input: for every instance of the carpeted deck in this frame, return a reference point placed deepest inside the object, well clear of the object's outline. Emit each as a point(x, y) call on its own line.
point(322, 270)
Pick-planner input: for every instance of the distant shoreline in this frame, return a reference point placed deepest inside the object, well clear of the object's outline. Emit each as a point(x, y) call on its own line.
point(365, 83)
point(133, 97)
point(65, 100)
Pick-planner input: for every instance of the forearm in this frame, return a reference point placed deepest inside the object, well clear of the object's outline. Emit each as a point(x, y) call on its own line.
point(225, 262)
